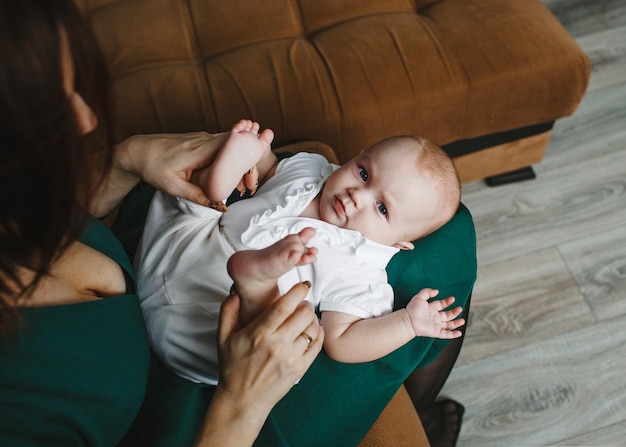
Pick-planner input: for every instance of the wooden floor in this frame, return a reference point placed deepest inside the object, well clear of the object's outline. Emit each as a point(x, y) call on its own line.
point(544, 362)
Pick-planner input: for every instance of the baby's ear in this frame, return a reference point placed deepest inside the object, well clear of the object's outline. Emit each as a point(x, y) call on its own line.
point(405, 245)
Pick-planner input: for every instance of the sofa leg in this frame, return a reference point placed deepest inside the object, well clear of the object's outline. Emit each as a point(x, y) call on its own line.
point(519, 175)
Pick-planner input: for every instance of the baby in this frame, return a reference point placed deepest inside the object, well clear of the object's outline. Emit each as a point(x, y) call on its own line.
point(336, 227)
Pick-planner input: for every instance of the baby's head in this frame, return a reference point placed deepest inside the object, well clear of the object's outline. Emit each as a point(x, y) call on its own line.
point(399, 190)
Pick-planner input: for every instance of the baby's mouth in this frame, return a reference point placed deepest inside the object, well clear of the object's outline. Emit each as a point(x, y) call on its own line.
point(339, 208)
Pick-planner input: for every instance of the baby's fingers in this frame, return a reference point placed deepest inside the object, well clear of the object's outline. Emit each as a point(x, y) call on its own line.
point(454, 324)
point(446, 302)
point(426, 294)
point(452, 313)
point(450, 334)
point(309, 256)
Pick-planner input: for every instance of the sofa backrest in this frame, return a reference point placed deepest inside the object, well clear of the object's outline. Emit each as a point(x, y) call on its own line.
point(343, 72)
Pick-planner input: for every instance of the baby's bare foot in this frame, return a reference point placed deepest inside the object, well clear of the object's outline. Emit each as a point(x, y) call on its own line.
point(241, 151)
point(255, 272)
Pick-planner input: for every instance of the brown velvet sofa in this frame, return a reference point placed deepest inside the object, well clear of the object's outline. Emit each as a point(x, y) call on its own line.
point(485, 79)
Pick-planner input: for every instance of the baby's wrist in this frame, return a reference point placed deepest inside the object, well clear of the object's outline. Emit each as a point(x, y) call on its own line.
point(411, 327)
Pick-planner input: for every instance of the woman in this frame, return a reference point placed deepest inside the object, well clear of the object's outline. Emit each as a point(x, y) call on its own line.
point(73, 347)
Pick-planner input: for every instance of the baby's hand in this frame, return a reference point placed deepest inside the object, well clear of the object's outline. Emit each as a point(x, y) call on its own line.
point(428, 319)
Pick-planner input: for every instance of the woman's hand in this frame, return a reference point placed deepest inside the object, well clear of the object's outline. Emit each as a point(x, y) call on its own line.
point(165, 161)
point(259, 364)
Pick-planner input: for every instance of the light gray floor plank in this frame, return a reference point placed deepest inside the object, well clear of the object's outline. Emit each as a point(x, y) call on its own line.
point(612, 436)
point(607, 51)
point(582, 17)
point(598, 263)
point(597, 128)
point(520, 301)
point(563, 205)
point(545, 392)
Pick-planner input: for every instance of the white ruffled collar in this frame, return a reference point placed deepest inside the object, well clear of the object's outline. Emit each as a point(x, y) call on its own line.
point(275, 224)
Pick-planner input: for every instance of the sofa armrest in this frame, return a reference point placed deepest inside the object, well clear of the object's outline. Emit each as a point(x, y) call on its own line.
point(397, 426)
point(316, 147)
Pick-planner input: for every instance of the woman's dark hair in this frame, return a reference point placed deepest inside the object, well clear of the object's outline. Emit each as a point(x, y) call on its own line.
point(48, 170)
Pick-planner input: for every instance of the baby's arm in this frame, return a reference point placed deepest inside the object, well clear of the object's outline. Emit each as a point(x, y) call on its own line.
point(350, 339)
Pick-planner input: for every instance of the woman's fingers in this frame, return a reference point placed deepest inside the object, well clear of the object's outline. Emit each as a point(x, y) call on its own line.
point(182, 188)
point(251, 179)
point(313, 348)
point(229, 318)
point(311, 337)
point(301, 323)
point(270, 354)
point(283, 307)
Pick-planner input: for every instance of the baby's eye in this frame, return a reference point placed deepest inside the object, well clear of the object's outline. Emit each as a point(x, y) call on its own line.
point(382, 209)
point(363, 173)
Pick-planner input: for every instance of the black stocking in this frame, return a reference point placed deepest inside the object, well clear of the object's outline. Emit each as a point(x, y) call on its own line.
point(441, 420)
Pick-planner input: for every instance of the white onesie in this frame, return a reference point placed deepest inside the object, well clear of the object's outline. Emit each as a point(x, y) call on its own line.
point(181, 263)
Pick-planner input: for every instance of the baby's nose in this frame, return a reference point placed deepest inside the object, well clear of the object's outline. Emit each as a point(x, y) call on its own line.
point(358, 197)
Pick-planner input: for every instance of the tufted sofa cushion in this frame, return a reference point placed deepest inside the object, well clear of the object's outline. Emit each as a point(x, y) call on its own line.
point(343, 72)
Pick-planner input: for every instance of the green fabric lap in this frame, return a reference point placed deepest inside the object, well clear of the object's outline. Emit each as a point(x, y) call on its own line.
point(335, 403)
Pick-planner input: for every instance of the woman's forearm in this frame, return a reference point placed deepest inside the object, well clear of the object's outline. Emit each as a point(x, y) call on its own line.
point(228, 422)
point(115, 186)
point(164, 161)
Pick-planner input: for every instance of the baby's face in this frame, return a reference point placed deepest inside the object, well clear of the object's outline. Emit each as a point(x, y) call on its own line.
point(382, 195)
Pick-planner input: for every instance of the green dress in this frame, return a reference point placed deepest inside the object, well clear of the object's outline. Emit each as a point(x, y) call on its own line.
point(77, 373)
